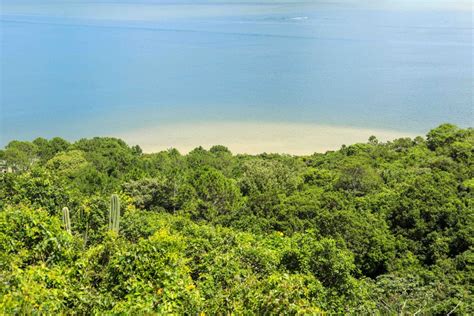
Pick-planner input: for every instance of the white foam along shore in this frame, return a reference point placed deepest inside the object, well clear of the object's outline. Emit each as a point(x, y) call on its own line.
point(253, 137)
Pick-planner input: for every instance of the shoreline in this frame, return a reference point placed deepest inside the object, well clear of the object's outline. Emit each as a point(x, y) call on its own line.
point(253, 137)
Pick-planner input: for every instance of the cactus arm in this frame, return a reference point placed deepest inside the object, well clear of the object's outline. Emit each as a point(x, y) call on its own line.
point(114, 213)
point(66, 220)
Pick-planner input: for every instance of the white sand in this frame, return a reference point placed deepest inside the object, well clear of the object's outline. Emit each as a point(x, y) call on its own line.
point(253, 137)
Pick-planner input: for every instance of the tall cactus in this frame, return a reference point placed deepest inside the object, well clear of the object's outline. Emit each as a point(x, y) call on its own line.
point(114, 213)
point(66, 220)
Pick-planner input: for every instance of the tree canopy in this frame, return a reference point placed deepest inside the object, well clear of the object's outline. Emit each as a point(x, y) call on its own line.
point(372, 228)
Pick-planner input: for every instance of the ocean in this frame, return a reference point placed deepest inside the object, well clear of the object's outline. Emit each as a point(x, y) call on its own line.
point(80, 69)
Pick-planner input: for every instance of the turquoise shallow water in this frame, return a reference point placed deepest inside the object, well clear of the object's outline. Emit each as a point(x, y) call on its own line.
point(80, 69)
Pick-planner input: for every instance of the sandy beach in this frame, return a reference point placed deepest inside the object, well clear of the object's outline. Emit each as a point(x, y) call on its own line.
point(252, 137)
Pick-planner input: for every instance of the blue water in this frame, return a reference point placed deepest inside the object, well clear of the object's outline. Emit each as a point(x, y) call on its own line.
point(78, 69)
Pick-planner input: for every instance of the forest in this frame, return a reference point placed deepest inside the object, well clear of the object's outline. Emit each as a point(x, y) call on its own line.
point(97, 226)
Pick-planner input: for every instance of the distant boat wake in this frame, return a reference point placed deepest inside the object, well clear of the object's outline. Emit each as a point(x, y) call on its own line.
point(299, 18)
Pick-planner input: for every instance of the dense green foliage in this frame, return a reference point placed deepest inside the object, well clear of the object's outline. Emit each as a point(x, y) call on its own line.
point(97, 226)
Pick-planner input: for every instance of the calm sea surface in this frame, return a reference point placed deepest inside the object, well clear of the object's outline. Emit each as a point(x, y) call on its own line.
point(78, 69)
